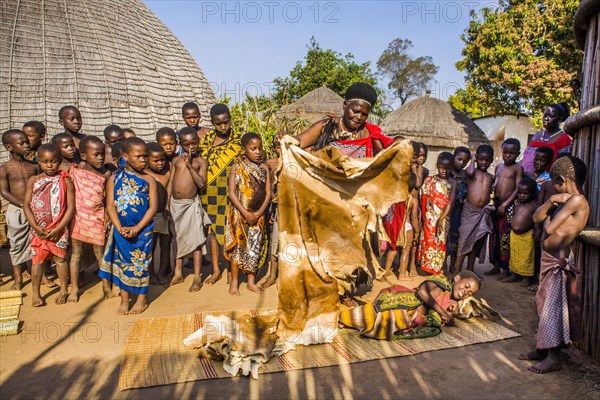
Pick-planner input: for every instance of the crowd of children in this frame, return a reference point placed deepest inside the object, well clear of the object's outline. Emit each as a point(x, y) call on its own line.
point(124, 197)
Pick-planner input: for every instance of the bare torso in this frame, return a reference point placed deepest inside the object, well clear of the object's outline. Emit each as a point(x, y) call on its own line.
point(14, 176)
point(479, 188)
point(558, 243)
point(162, 182)
point(183, 185)
point(506, 180)
point(522, 220)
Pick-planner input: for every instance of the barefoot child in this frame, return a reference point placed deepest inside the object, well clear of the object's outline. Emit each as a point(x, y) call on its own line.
point(399, 312)
point(462, 155)
point(558, 300)
point(14, 175)
point(89, 223)
point(68, 151)
point(188, 177)
point(475, 221)
point(36, 132)
point(273, 164)
point(250, 194)
point(191, 116)
point(131, 205)
point(508, 174)
point(158, 168)
point(49, 205)
point(437, 196)
point(70, 118)
point(522, 242)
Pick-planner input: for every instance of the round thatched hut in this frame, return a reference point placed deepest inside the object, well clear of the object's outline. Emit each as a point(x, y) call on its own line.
point(586, 127)
point(314, 105)
point(436, 123)
point(113, 59)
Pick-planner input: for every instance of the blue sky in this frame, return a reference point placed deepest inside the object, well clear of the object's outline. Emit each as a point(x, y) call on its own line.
point(242, 45)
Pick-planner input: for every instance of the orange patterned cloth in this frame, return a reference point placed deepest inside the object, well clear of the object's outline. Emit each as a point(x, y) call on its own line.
point(48, 204)
point(87, 224)
point(435, 195)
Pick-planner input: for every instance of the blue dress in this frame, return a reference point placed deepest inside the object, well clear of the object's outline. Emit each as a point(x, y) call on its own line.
point(126, 261)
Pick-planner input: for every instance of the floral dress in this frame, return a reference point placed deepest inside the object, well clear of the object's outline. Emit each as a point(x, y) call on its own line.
point(435, 195)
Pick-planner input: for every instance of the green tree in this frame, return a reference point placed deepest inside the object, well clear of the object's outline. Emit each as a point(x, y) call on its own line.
point(408, 76)
point(519, 58)
point(322, 67)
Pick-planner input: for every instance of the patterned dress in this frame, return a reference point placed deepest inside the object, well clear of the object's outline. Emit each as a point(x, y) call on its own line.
point(126, 261)
point(245, 244)
point(215, 198)
point(435, 195)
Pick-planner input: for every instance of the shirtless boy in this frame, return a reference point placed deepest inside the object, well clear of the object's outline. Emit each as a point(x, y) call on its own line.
point(188, 177)
point(564, 215)
point(508, 174)
point(70, 118)
point(475, 222)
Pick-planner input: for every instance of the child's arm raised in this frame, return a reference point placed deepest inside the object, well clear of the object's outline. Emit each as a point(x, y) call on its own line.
point(470, 171)
point(40, 230)
point(199, 175)
point(152, 206)
point(54, 233)
point(234, 198)
point(571, 205)
point(424, 293)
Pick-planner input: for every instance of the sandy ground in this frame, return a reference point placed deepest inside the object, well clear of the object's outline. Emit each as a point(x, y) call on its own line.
point(73, 350)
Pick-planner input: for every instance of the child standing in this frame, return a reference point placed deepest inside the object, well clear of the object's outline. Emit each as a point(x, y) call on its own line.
point(508, 175)
point(558, 300)
point(187, 179)
point(70, 118)
point(14, 175)
point(89, 223)
point(68, 150)
point(273, 165)
point(437, 196)
point(131, 205)
point(250, 193)
point(522, 242)
point(158, 169)
point(167, 139)
point(542, 161)
point(49, 205)
point(462, 155)
point(36, 132)
point(190, 112)
point(475, 221)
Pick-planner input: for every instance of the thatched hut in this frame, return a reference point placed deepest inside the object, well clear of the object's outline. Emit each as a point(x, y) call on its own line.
point(113, 59)
point(314, 105)
point(436, 123)
point(586, 127)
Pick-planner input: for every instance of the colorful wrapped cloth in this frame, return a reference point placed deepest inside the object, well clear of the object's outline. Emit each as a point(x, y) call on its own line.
point(215, 198)
point(461, 196)
point(544, 176)
point(353, 147)
point(522, 251)
point(475, 224)
point(87, 224)
point(245, 244)
point(397, 313)
point(435, 196)
point(17, 232)
point(499, 244)
point(48, 205)
point(395, 222)
point(190, 222)
point(558, 302)
point(561, 145)
point(126, 261)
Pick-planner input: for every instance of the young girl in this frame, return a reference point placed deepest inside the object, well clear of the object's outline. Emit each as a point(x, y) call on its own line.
point(437, 196)
point(462, 155)
point(250, 193)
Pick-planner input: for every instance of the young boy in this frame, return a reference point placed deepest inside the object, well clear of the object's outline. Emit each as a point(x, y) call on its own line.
point(558, 300)
point(522, 241)
point(89, 223)
point(112, 134)
point(49, 204)
point(36, 132)
point(475, 221)
point(14, 175)
point(158, 169)
point(187, 179)
point(70, 118)
point(68, 150)
point(167, 139)
point(131, 204)
point(541, 163)
point(508, 174)
point(191, 116)
point(462, 155)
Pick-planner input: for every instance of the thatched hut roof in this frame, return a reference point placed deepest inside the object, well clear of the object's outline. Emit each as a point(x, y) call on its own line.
point(315, 105)
point(435, 123)
point(113, 59)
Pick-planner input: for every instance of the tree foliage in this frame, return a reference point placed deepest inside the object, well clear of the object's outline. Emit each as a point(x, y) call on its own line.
point(322, 67)
point(408, 76)
point(519, 58)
